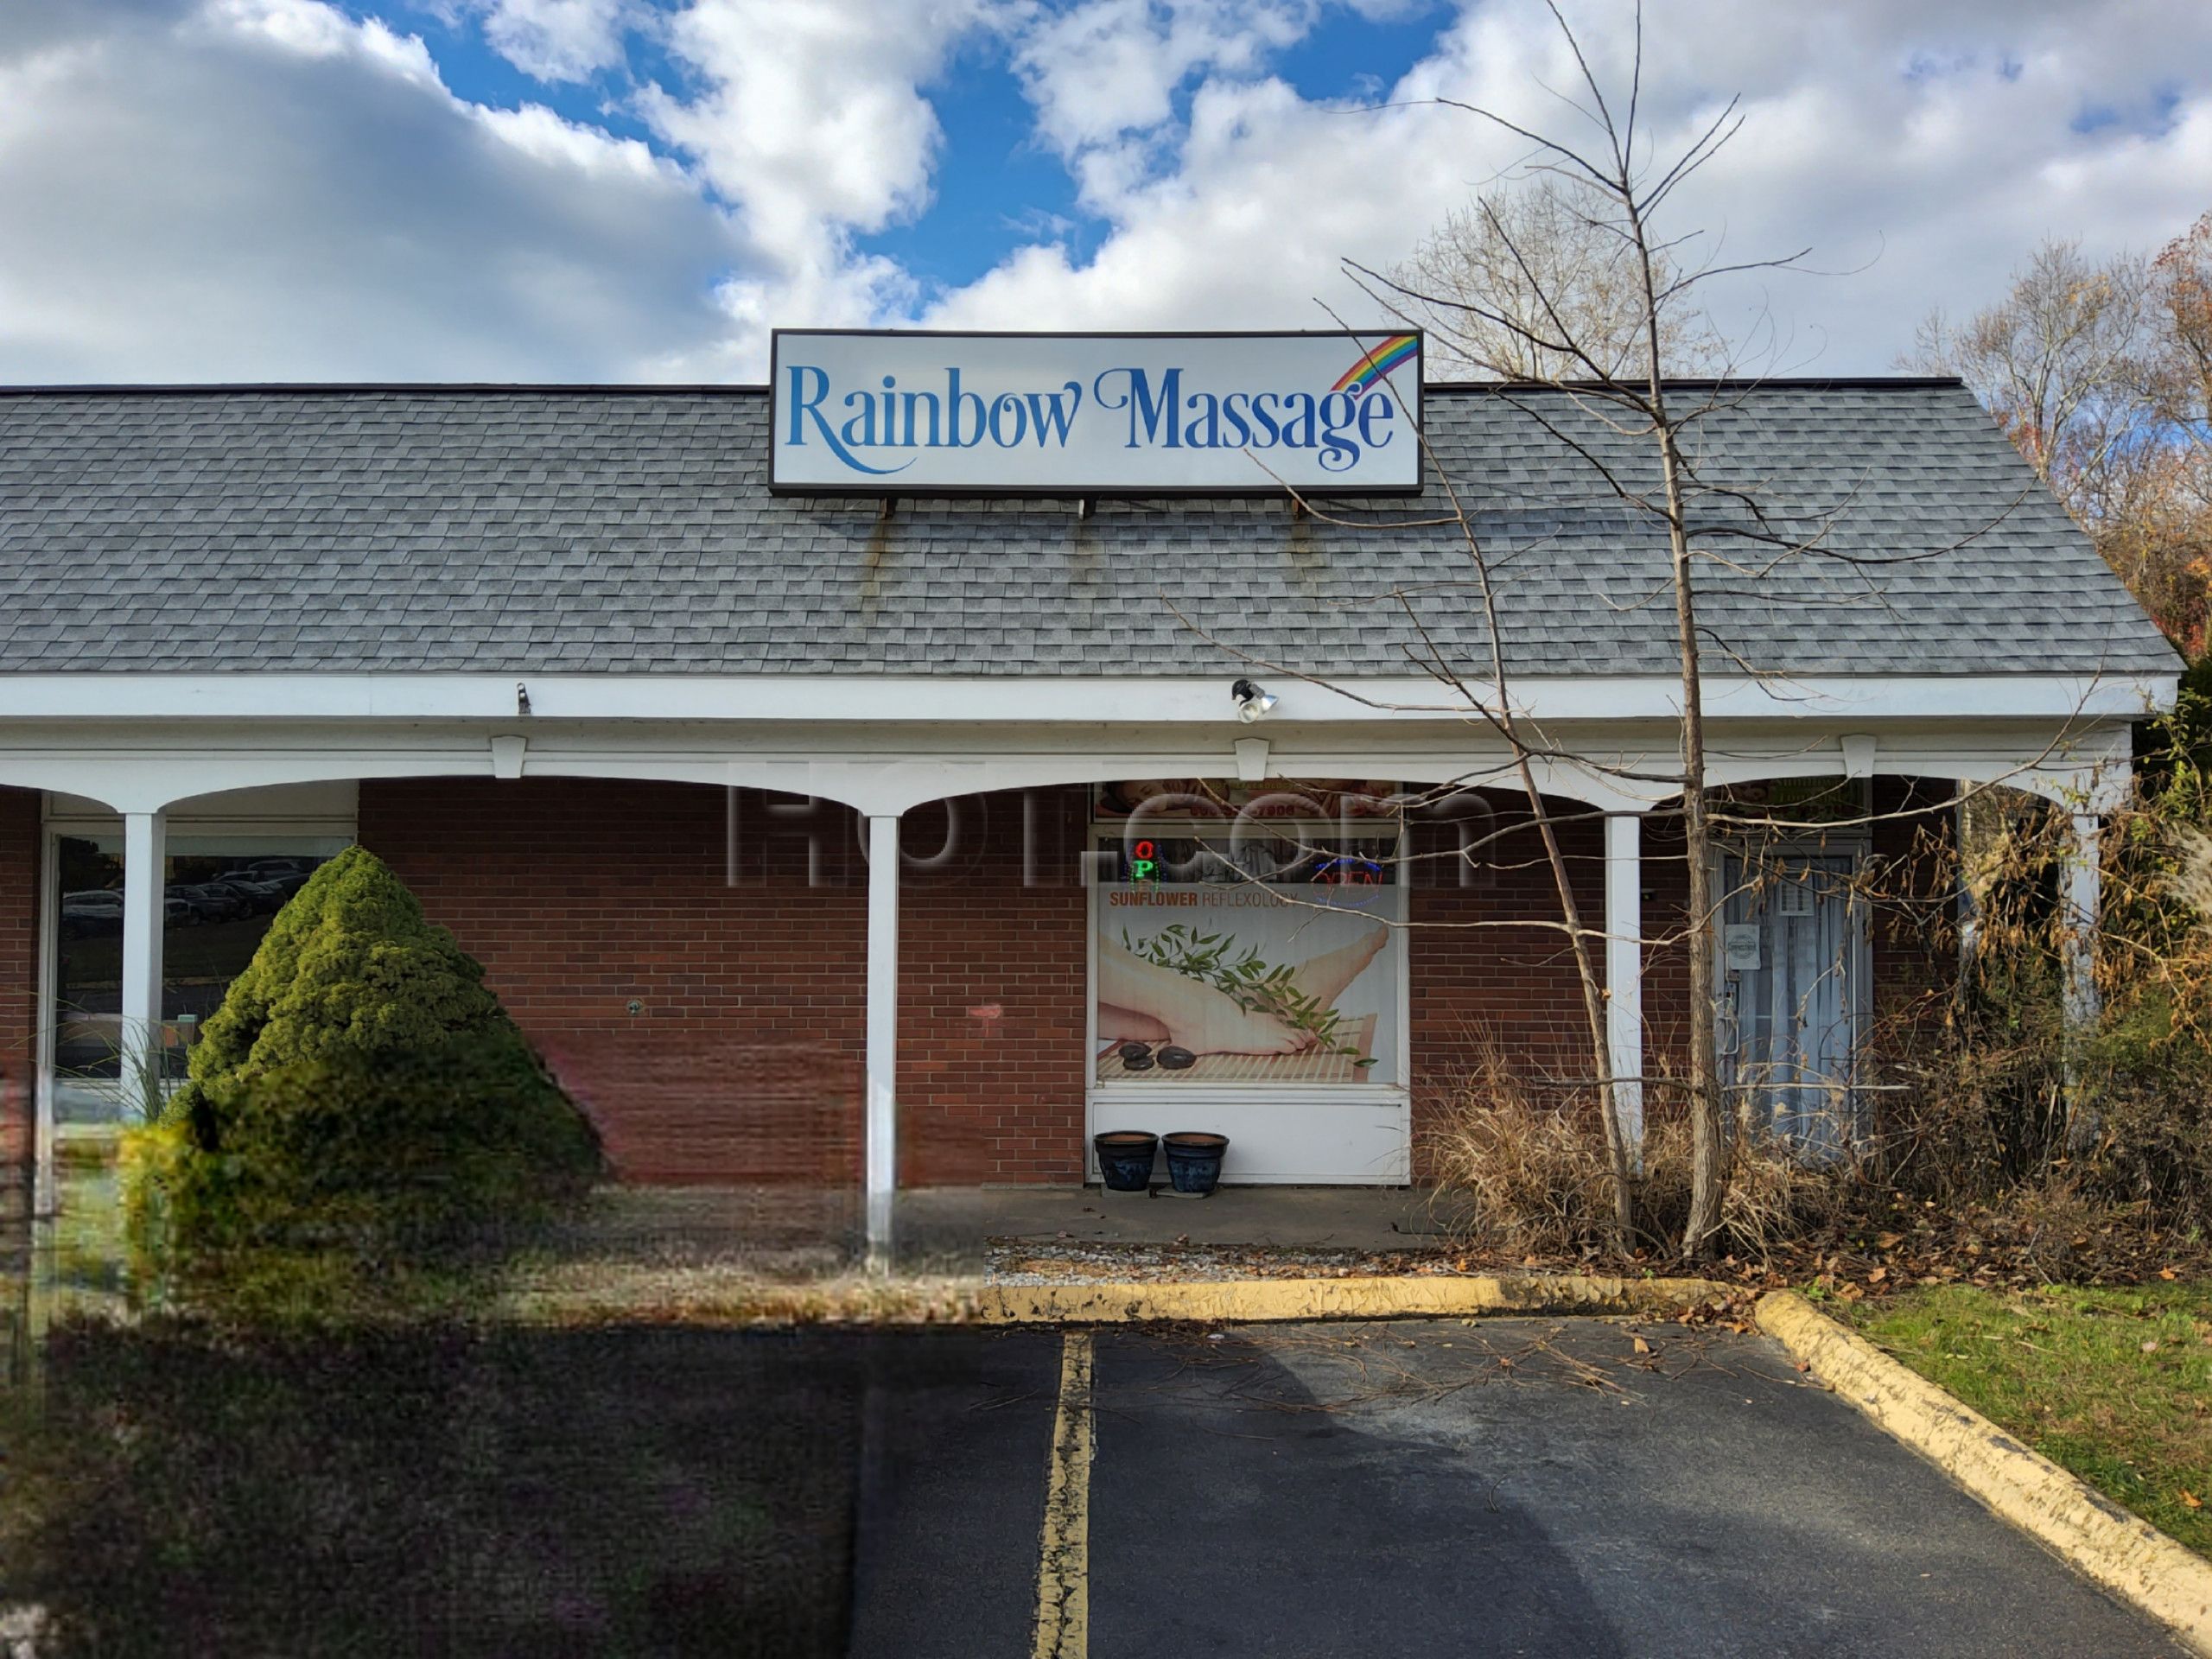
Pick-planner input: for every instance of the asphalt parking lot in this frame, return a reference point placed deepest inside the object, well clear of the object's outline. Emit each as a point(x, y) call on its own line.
point(1521, 1487)
point(1558, 1487)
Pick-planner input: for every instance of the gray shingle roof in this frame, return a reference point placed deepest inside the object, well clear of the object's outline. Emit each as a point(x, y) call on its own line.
point(624, 531)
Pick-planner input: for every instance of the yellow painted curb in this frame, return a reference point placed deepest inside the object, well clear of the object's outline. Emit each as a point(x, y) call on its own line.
point(738, 1298)
point(1276, 1300)
point(2125, 1553)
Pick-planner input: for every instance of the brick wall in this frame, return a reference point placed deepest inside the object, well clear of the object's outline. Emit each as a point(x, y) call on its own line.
point(1487, 963)
point(19, 887)
point(1913, 927)
point(992, 982)
point(582, 898)
point(744, 1061)
point(1666, 885)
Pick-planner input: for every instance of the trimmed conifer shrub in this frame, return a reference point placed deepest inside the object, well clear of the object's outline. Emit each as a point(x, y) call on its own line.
point(349, 963)
point(359, 1095)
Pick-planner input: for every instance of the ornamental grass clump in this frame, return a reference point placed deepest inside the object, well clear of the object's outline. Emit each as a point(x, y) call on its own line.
point(359, 1108)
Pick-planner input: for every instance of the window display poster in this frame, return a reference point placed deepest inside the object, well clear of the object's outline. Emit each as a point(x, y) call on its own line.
point(1246, 983)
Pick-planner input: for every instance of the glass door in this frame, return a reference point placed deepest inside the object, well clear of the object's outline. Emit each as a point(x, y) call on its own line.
point(1792, 991)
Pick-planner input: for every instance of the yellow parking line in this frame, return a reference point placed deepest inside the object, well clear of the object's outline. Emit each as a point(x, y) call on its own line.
point(1064, 1560)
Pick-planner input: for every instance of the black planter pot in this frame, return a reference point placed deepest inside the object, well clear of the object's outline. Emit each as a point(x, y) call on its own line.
point(1194, 1161)
point(1125, 1159)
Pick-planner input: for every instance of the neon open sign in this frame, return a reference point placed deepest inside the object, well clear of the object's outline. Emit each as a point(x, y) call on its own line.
point(1350, 872)
point(1144, 862)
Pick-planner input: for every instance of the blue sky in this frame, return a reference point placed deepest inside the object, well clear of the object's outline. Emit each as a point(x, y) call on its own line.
point(995, 186)
point(620, 189)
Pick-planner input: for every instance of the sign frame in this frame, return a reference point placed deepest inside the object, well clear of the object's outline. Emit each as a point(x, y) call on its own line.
point(1410, 404)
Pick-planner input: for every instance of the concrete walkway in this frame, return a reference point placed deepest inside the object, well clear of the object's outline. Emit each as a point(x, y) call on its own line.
point(1292, 1217)
point(947, 1228)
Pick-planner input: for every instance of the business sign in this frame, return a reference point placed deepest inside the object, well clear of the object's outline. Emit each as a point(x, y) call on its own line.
point(872, 413)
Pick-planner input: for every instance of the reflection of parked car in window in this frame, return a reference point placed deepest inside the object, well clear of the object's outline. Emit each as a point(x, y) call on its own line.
point(272, 889)
point(95, 910)
point(209, 901)
point(178, 912)
point(260, 898)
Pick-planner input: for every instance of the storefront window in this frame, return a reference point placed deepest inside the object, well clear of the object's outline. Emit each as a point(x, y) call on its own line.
point(218, 896)
point(1258, 953)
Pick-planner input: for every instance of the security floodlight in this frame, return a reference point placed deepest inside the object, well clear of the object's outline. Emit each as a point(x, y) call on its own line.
point(1252, 701)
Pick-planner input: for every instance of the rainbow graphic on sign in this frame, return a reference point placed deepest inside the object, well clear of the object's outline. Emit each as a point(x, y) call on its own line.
point(1378, 363)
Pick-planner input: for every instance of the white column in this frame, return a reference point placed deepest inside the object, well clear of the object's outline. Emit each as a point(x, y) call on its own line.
point(143, 908)
point(2083, 881)
point(882, 1034)
point(1624, 973)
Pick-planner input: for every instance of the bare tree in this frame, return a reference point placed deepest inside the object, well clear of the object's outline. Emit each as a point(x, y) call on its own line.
point(2101, 376)
point(1545, 247)
point(2059, 362)
point(1605, 345)
point(2180, 380)
point(1586, 362)
point(2171, 529)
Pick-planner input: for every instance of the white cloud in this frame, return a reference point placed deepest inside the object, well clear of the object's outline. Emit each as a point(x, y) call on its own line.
point(275, 190)
point(557, 40)
point(812, 125)
point(1931, 145)
point(813, 114)
point(539, 133)
point(1105, 68)
point(290, 188)
point(315, 30)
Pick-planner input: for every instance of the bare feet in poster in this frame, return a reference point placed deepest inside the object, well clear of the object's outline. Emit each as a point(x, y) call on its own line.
point(1212, 1024)
point(1143, 1001)
point(1120, 1024)
point(1324, 977)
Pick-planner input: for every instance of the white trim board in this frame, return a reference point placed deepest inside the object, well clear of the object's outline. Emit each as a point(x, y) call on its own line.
point(146, 766)
point(883, 699)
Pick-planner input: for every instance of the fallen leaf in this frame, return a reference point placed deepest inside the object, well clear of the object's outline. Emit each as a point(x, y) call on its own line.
point(2168, 1273)
point(2191, 1499)
point(1878, 1276)
point(1642, 1346)
point(2151, 1346)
